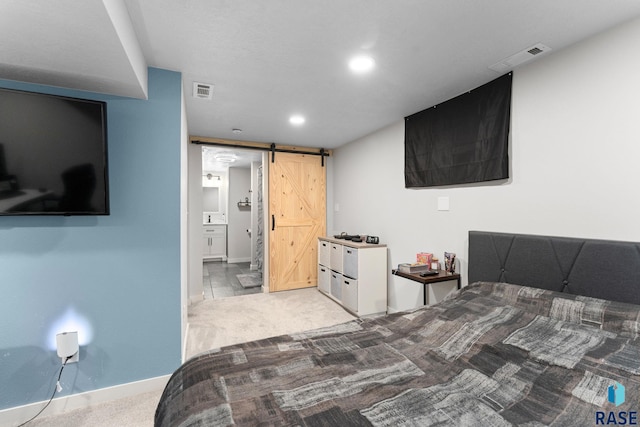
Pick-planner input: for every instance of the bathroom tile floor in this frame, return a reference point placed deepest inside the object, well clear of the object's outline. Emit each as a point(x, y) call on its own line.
point(219, 279)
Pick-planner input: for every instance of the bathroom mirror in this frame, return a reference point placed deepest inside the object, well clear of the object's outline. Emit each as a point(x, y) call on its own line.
point(211, 199)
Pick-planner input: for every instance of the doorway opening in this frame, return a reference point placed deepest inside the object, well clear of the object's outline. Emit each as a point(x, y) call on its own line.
point(221, 279)
point(233, 251)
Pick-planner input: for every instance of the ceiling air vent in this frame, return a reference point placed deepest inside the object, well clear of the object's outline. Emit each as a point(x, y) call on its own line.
point(520, 58)
point(535, 51)
point(202, 91)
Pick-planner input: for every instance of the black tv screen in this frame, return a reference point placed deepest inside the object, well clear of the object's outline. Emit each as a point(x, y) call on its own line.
point(53, 155)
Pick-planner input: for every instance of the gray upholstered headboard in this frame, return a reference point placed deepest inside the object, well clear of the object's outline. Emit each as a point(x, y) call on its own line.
point(596, 268)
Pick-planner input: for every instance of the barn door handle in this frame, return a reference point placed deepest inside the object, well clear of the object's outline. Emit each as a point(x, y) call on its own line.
point(273, 222)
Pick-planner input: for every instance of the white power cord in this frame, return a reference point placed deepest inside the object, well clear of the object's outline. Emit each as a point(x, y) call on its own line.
point(58, 389)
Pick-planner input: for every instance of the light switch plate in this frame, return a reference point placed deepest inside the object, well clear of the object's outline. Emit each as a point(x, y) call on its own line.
point(443, 203)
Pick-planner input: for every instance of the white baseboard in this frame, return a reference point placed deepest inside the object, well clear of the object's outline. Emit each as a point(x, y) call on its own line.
point(214, 258)
point(196, 298)
point(237, 260)
point(60, 405)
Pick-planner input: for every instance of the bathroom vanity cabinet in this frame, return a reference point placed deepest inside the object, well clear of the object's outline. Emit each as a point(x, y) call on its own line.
point(214, 241)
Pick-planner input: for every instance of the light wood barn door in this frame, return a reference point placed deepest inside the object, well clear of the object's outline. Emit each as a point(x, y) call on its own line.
point(297, 209)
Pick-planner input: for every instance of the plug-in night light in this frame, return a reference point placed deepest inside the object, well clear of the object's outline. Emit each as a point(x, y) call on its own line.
point(70, 320)
point(67, 345)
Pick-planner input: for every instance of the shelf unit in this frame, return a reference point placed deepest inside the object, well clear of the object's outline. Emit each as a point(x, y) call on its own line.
point(353, 274)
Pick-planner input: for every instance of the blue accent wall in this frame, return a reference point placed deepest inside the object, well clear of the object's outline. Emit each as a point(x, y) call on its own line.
point(118, 276)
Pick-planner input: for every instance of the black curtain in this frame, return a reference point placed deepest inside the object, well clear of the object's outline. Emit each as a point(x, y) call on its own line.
point(462, 140)
point(3, 163)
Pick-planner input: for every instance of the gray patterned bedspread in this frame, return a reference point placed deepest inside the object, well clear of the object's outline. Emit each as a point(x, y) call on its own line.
point(492, 355)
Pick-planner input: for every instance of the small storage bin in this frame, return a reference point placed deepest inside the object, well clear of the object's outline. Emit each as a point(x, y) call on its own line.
point(336, 285)
point(324, 279)
point(336, 257)
point(350, 262)
point(324, 252)
point(350, 294)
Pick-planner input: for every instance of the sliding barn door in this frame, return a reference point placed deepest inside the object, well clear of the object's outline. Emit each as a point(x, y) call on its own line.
point(297, 210)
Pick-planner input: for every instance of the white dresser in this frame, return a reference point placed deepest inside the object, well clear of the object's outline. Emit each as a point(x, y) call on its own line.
point(354, 274)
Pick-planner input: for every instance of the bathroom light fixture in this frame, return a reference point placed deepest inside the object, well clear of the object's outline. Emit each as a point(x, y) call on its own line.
point(211, 176)
point(226, 157)
point(361, 64)
point(297, 120)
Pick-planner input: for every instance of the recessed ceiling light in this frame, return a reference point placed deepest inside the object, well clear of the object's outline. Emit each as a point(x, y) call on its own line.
point(297, 120)
point(361, 64)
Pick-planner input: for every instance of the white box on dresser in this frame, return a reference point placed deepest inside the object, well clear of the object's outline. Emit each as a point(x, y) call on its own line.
point(353, 274)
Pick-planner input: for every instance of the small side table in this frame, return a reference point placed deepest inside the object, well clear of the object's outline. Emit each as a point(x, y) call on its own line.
point(442, 276)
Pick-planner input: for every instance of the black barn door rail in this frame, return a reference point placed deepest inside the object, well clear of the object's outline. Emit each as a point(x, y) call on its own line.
point(273, 148)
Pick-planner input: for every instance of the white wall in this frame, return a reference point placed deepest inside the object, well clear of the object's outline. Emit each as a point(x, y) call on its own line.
point(575, 165)
point(239, 219)
point(194, 165)
point(184, 224)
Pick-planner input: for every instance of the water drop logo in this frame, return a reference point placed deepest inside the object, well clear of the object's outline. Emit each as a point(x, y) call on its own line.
point(616, 393)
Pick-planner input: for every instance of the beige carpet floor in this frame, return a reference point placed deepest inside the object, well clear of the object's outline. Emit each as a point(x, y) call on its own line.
point(218, 323)
point(213, 324)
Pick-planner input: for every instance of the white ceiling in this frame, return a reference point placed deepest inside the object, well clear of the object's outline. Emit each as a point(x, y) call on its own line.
point(268, 59)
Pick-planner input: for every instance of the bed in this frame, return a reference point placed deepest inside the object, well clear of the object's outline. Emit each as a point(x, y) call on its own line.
point(546, 334)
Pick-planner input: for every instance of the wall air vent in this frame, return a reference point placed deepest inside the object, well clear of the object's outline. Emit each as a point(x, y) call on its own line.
point(519, 58)
point(202, 91)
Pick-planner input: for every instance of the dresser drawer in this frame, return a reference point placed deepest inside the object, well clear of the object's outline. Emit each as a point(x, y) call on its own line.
point(215, 230)
point(324, 279)
point(350, 262)
point(336, 285)
point(336, 257)
point(350, 293)
point(324, 253)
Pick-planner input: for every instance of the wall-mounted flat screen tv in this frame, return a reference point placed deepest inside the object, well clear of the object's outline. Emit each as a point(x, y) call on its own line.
point(53, 155)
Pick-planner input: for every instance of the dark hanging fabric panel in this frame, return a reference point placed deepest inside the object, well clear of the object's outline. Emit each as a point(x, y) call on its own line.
point(462, 140)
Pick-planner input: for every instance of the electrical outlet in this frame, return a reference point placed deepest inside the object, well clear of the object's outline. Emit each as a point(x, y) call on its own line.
point(67, 345)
